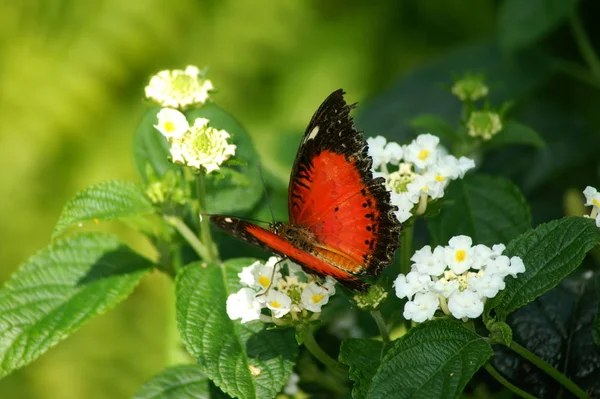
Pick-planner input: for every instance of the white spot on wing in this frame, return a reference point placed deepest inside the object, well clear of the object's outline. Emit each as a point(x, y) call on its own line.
point(228, 220)
point(313, 133)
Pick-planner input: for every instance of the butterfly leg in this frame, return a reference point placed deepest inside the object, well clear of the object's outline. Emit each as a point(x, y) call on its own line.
point(273, 275)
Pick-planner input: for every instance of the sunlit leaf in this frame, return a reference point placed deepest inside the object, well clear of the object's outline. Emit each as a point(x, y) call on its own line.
point(59, 289)
point(243, 360)
point(180, 382)
point(151, 148)
point(104, 201)
point(241, 186)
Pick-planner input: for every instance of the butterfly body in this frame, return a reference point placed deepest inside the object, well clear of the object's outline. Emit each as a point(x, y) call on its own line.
point(341, 222)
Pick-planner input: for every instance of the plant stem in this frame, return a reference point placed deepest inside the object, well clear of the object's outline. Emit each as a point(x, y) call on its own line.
point(494, 373)
point(313, 347)
point(211, 250)
point(406, 249)
point(385, 334)
point(577, 71)
point(188, 235)
point(583, 42)
point(546, 368)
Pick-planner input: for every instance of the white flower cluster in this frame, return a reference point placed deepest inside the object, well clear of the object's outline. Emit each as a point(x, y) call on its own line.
point(266, 287)
point(470, 88)
point(421, 171)
point(291, 386)
point(592, 198)
point(484, 124)
point(179, 88)
point(198, 145)
point(457, 278)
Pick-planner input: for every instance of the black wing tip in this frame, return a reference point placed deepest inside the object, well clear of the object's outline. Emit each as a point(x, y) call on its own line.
point(356, 145)
point(389, 230)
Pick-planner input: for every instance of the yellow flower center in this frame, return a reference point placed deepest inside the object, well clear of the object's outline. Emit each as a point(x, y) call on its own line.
point(440, 178)
point(423, 154)
point(169, 126)
point(463, 282)
point(264, 281)
point(397, 181)
point(596, 202)
point(275, 304)
point(317, 298)
point(460, 255)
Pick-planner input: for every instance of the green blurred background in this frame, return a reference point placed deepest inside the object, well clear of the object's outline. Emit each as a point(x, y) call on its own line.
point(72, 75)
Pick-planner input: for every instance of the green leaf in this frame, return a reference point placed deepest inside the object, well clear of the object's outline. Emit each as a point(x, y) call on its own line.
point(180, 382)
point(435, 125)
point(104, 201)
point(151, 148)
point(59, 289)
point(241, 188)
point(550, 252)
point(557, 326)
point(489, 209)
point(433, 360)
point(422, 89)
point(516, 133)
point(363, 356)
point(596, 326)
point(522, 23)
point(244, 360)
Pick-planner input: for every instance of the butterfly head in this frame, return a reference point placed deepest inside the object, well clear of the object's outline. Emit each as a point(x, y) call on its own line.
point(276, 227)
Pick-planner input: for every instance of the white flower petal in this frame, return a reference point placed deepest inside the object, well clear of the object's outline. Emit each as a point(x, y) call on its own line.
point(422, 308)
point(243, 305)
point(178, 88)
point(413, 282)
point(464, 165)
point(497, 250)
point(314, 297)
point(329, 284)
point(279, 303)
point(592, 197)
point(458, 254)
point(500, 266)
point(247, 276)
point(465, 304)
point(481, 255)
point(171, 123)
point(487, 285)
point(376, 150)
point(516, 266)
point(393, 153)
point(202, 146)
point(445, 287)
point(422, 151)
point(405, 206)
point(429, 262)
point(291, 387)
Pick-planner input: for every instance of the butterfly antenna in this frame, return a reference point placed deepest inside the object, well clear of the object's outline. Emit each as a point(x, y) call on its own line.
point(265, 190)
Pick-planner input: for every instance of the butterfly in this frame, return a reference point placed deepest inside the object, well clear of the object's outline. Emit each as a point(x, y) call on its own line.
point(341, 222)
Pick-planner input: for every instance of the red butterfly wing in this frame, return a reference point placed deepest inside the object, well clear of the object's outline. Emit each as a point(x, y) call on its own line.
point(333, 193)
point(341, 221)
point(269, 241)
